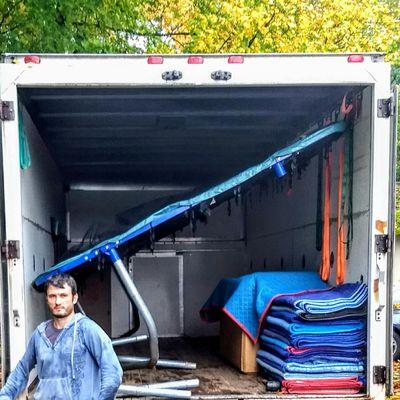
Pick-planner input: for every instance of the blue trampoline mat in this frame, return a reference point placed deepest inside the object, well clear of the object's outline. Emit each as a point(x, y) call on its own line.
point(179, 208)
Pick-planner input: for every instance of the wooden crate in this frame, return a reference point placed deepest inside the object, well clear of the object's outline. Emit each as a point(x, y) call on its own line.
point(236, 347)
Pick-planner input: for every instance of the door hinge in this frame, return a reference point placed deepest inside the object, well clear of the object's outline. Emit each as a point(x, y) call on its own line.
point(10, 249)
point(381, 243)
point(379, 372)
point(7, 111)
point(385, 107)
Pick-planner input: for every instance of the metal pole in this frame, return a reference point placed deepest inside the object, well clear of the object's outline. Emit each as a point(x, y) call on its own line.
point(142, 361)
point(147, 391)
point(135, 298)
point(127, 340)
point(185, 384)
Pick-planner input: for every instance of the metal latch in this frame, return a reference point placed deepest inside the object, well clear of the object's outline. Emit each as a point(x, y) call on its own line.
point(221, 75)
point(16, 319)
point(381, 248)
point(379, 373)
point(10, 249)
point(172, 75)
point(385, 107)
point(7, 111)
point(381, 244)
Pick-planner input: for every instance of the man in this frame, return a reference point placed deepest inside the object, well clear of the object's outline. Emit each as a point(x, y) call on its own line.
point(74, 357)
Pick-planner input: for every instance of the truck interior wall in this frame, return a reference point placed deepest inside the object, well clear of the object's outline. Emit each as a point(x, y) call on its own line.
point(281, 224)
point(216, 249)
point(359, 257)
point(220, 252)
point(93, 215)
point(42, 199)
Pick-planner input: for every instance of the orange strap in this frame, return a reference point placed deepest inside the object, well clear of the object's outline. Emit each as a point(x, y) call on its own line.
point(324, 268)
point(340, 244)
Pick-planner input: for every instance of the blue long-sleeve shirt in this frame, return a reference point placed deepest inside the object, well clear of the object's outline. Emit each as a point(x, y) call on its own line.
point(80, 365)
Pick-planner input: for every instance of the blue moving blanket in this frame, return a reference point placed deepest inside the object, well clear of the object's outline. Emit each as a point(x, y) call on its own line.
point(310, 367)
point(318, 357)
point(344, 340)
point(359, 312)
point(291, 315)
point(280, 375)
point(247, 299)
point(343, 297)
point(316, 328)
point(289, 353)
point(316, 335)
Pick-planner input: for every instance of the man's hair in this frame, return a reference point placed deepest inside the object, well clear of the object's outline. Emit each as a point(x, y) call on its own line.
point(59, 281)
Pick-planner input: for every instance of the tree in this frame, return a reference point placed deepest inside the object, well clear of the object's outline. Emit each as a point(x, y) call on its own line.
point(205, 26)
point(200, 26)
point(89, 26)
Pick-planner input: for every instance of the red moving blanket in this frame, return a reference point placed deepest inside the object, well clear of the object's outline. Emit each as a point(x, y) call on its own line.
point(349, 385)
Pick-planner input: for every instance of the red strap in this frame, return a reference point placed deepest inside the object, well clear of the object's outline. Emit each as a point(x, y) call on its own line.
point(340, 243)
point(324, 269)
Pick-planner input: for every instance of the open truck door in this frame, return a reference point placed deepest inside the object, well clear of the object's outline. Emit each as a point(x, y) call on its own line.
point(393, 111)
point(13, 334)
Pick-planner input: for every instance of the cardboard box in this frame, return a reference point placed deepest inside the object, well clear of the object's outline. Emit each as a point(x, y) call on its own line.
point(236, 347)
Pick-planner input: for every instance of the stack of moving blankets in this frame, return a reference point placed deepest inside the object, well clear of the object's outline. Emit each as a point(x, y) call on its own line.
point(314, 342)
point(246, 299)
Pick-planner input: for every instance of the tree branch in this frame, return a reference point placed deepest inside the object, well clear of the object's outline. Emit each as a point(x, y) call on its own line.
point(8, 13)
point(266, 25)
point(131, 32)
point(251, 41)
point(10, 29)
point(225, 42)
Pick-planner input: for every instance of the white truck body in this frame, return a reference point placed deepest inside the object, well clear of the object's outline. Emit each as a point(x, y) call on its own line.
point(55, 73)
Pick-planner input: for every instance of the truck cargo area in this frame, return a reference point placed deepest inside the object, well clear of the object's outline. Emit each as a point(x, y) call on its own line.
point(103, 158)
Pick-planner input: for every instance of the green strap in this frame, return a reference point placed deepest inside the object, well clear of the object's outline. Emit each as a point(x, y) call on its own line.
point(24, 154)
point(347, 188)
point(349, 154)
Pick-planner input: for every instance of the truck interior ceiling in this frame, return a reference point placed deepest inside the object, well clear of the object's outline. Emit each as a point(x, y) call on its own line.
point(98, 160)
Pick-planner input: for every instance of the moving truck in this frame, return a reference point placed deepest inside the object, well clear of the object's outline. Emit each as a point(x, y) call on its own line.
point(90, 144)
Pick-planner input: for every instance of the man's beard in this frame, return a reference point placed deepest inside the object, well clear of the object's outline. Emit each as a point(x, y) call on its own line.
point(61, 313)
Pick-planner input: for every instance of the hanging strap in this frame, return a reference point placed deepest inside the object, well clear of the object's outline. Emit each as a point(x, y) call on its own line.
point(319, 225)
point(24, 153)
point(349, 169)
point(340, 241)
point(324, 269)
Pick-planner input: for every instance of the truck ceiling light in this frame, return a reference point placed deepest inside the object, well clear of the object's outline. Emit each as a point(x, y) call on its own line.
point(32, 59)
point(155, 60)
point(195, 60)
point(355, 58)
point(235, 60)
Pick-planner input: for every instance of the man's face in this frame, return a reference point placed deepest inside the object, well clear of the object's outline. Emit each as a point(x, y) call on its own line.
point(61, 301)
